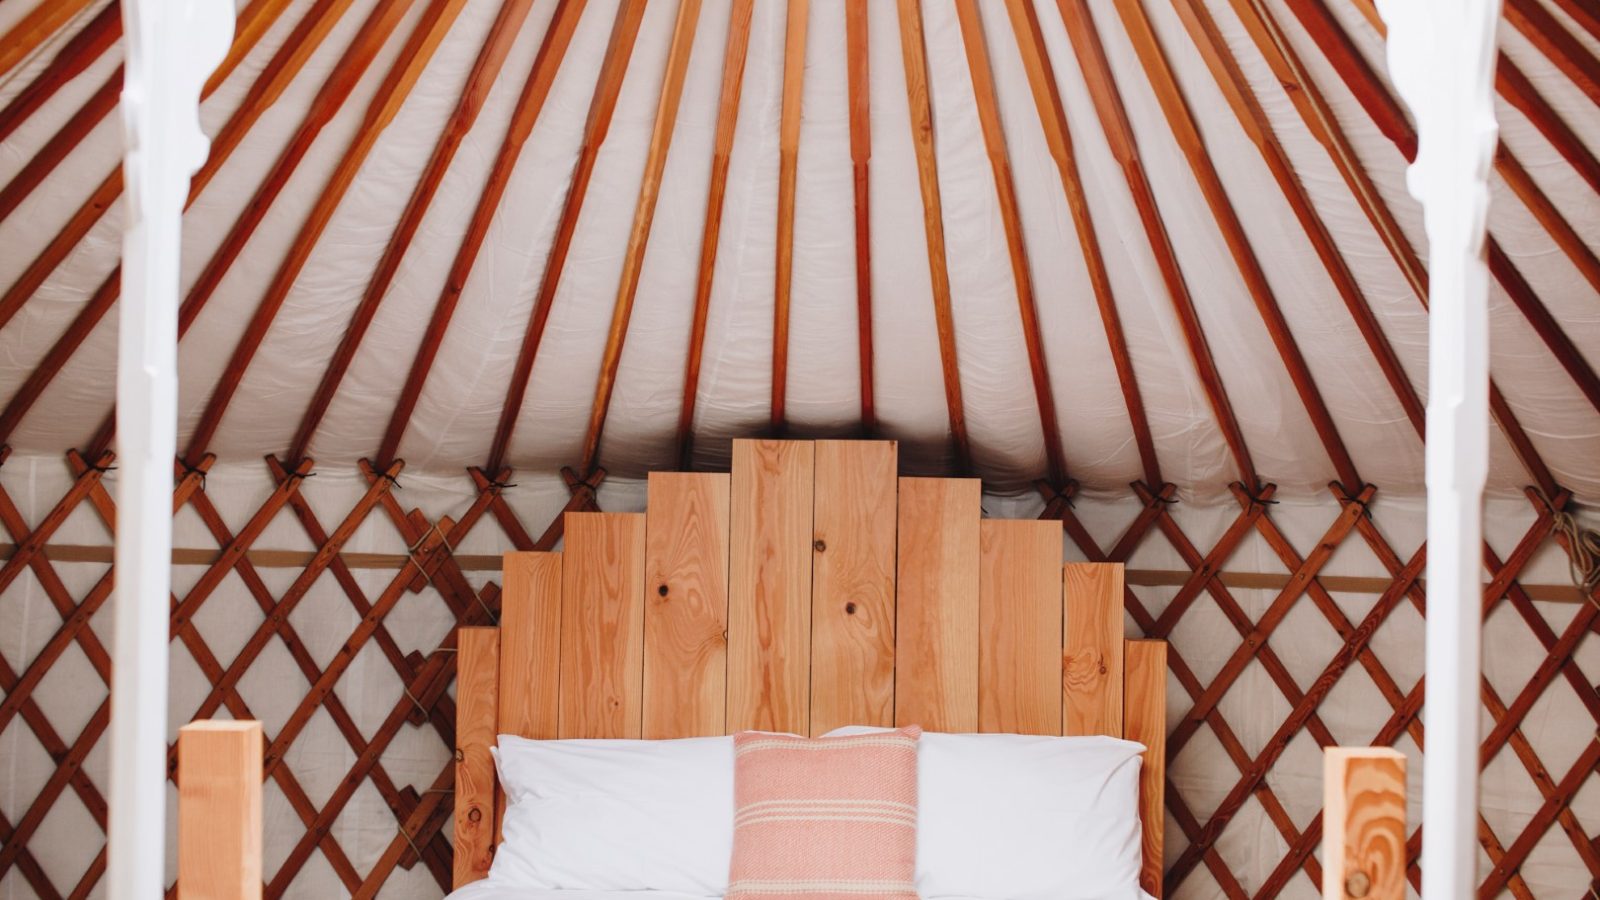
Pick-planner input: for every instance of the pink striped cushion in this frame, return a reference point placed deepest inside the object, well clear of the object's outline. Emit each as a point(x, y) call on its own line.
point(825, 818)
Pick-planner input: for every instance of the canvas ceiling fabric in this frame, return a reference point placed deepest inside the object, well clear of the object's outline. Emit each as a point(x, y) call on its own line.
point(454, 421)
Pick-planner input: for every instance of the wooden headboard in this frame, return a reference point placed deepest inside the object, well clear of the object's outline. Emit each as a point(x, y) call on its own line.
point(808, 589)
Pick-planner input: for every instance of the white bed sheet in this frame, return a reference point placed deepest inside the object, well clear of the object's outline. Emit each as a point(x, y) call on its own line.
point(485, 890)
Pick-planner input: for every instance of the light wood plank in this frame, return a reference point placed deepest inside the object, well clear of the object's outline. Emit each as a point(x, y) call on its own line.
point(936, 644)
point(602, 625)
point(1364, 823)
point(769, 586)
point(853, 585)
point(1145, 720)
point(1019, 626)
point(219, 810)
point(1091, 661)
point(477, 668)
point(530, 644)
point(686, 605)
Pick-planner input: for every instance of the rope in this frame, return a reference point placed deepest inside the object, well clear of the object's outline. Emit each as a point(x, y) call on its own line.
point(444, 539)
point(1583, 553)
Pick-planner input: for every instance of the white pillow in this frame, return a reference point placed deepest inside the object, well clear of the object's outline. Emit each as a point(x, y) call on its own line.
point(616, 815)
point(1025, 817)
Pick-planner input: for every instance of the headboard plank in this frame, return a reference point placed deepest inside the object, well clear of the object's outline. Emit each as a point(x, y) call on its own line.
point(477, 674)
point(1019, 651)
point(853, 585)
point(686, 605)
point(530, 644)
point(1092, 658)
point(602, 625)
point(1145, 721)
point(769, 586)
point(936, 642)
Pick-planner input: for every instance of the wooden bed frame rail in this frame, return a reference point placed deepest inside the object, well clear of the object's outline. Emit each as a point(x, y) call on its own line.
point(809, 588)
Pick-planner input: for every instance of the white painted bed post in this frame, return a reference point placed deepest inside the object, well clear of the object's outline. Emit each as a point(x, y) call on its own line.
point(1441, 57)
point(172, 46)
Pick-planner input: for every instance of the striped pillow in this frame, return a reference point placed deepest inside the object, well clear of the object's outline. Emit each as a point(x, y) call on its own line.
point(825, 818)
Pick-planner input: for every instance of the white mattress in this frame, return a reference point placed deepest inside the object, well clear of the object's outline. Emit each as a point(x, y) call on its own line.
point(483, 890)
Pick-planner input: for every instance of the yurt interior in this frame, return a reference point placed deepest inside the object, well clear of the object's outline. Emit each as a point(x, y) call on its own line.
point(563, 416)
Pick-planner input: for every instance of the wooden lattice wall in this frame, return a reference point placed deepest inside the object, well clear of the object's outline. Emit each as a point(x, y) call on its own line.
point(422, 810)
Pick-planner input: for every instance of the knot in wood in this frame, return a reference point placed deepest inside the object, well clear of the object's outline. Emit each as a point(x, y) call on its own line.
point(849, 609)
point(1357, 884)
point(819, 545)
point(661, 589)
point(460, 757)
point(474, 814)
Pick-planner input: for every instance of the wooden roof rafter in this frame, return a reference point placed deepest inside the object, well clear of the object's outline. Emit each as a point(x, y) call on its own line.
point(859, 90)
point(1384, 109)
point(530, 102)
point(486, 69)
point(268, 86)
point(1187, 133)
point(1544, 31)
point(1318, 116)
point(994, 139)
point(1053, 118)
point(797, 19)
point(1113, 115)
point(28, 37)
point(735, 54)
point(677, 66)
point(78, 54)
point(397, 84)
point(914, 55)
point(624, 31)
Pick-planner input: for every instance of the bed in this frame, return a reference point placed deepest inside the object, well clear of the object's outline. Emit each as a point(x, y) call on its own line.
point(808, 589)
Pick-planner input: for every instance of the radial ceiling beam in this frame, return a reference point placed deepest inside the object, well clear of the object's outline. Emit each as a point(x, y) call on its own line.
point(1253, 119)
point(1113, 116)
point(485, 70)
point(1058, 137)
point(264, 91)
point(1005, 185)
point(1544, 30)
point(1520, 93)
point(1318, 116)
point(535, 90)
point(735, 53)
point(794, 72)
point(84, 48)
point(624, 31)
point(914, 55)
point(859, 93)
point(677, 69)
point(1184, 129)
point(32, 30)
point(392, 93)
point(1381, 106)
point(76, 55)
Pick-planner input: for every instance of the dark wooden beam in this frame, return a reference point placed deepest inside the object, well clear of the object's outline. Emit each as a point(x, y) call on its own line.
point(1545, 31)
point(1113, 115)
point(677, 69)
point(733, 61)
point(624, 31)
point(1005, 185)
point(859, 88)
point(396, 86)
point(83, 50)
point(1058, 137)
point(914, 55)
point(794, 71)
point(31, 31)
point(535, 90)
point(485, 70)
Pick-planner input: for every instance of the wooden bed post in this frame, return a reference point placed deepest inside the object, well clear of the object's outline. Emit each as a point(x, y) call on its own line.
point(477, 700)
point(1364, 823)
point(219, 810)
point(1144, 719)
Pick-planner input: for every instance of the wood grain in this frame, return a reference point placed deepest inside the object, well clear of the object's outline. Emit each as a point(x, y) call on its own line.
point(477, 689)
point(794, 72)
point(936, 615)
point(686, 605)
point(1019, 626)
point(1364, 823)
point(857, 71)
point(1091, 661)
point(602, 625)
point(219, 810)
point(853, 584)
point(769, 586)
point(1144, 714)
point(530, 645)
